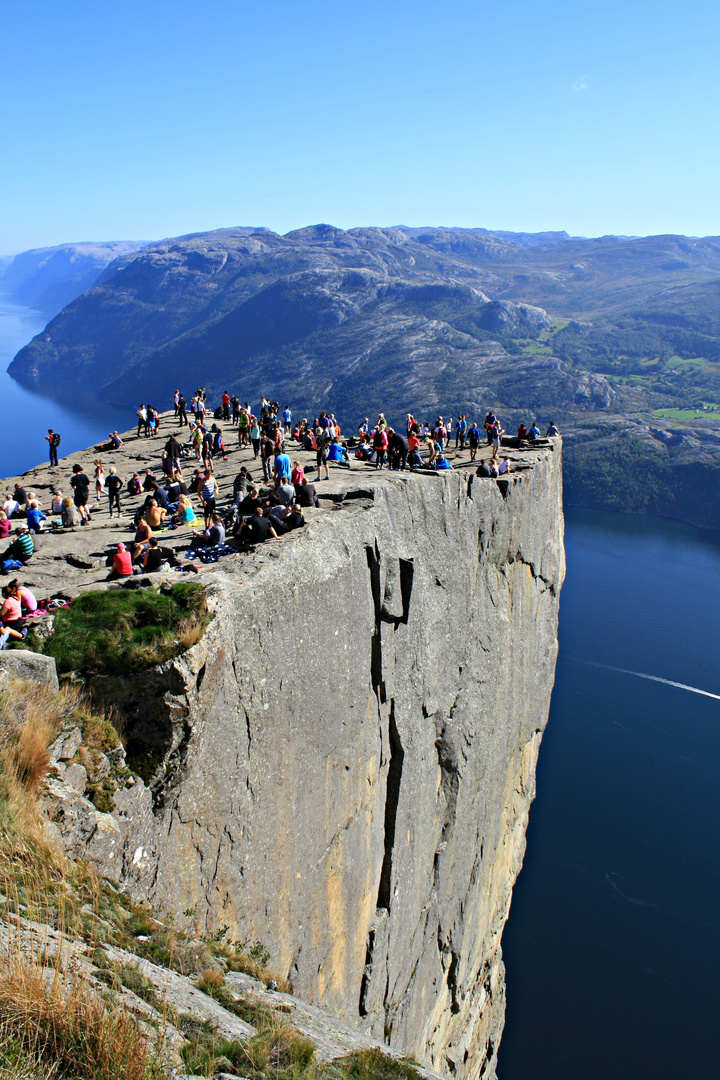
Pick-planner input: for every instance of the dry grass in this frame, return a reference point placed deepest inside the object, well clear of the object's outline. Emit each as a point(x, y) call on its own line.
point(61, 1028)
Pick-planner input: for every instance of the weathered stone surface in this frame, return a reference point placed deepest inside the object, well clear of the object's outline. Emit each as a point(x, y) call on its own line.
point(355, 752)
point(29, 666)
point(66, 745)
point(76, 776)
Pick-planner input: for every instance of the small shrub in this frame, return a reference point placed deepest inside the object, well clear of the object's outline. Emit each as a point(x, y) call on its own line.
point(375, 1065)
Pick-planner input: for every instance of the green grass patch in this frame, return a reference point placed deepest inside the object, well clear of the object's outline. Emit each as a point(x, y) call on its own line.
point(112, 633)
point(686, 414)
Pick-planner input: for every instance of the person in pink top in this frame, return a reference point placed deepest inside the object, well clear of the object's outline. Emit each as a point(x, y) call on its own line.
point(11, 616)
point(28, 600)
point(298, 473)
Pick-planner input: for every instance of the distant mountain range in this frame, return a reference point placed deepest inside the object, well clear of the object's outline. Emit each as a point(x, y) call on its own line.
point(616, 338)
point(49, 278)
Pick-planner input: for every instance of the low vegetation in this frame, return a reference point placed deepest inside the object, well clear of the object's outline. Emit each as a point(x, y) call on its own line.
point(117, 632)
point(61, 1016)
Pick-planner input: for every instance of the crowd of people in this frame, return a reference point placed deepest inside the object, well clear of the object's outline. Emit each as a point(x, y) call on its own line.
point(257, 510)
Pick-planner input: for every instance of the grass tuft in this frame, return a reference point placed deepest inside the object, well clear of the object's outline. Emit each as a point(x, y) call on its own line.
point(115, 632)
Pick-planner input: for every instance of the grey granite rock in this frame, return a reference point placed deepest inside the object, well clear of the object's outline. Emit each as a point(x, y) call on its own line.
point(354, 751)
point(76, 776)
point(29, 666)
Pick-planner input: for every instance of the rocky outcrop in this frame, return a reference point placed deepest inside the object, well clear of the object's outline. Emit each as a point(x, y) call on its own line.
point(352, 748)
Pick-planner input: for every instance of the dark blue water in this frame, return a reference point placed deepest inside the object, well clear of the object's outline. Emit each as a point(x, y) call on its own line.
point(27, 414)
point(613, 943)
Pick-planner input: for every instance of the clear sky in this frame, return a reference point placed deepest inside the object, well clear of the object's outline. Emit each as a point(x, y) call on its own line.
point(137, 120)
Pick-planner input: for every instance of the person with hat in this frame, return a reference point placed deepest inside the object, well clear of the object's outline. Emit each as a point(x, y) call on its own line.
point(122, 562)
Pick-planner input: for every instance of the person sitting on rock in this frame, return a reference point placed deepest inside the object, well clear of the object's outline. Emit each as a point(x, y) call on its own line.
point(122, 563)
point(156, 557)
point(142, 538)
point(11, 616)
point(22, 547)
point(185, 512)
point(115, 441)
point(285, 492)
point(522, 432)
point(503, 466)
point(214, 534)
point(4, 525)
point(552, 432)
point(534, 432)
point(134, 485)
point(154, 515)
point(306, 494)
point(35, 516)
point(483, 470)
point(69, 515)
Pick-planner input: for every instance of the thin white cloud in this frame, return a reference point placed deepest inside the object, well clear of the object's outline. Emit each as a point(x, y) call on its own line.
point(582, 84)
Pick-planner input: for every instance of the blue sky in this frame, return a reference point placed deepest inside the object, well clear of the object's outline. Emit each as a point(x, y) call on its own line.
point(142, 120)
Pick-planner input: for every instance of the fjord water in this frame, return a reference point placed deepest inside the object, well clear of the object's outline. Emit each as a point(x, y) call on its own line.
point(27, 414)
point(613, 942)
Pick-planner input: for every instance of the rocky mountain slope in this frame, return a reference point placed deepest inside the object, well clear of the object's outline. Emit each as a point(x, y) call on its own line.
point(50, 278)
point(346, 319)
point(615, 338)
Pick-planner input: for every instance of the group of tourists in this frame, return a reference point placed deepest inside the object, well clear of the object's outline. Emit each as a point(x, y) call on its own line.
point(259, 508)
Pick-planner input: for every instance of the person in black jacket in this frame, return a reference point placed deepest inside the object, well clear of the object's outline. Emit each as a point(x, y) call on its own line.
point(398, 449)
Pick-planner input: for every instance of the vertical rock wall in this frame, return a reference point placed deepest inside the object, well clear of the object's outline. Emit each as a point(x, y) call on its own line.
point(359, 732)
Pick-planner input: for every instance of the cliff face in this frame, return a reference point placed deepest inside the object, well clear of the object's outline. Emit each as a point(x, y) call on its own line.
point(352, 750)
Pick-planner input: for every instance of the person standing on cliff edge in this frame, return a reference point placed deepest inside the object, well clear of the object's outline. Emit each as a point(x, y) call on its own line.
point(53, 440)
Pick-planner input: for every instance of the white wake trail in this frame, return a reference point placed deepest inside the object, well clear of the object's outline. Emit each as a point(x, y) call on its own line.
point(651, 678)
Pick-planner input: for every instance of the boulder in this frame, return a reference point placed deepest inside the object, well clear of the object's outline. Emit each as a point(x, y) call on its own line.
point(29, 666)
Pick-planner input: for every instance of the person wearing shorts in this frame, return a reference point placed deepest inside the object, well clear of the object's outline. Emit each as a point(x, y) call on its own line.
point(321, 441)
point(81, 486)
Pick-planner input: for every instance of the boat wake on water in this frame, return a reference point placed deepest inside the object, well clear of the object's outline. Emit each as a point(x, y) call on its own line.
point(650, 678)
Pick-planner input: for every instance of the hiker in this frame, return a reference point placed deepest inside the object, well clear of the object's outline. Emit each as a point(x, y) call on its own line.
point(473, 439)
point(380, 442)
point(53, 440)
point(534, 432)
point(552, 432)
point(113, 486)
point(398, 449)
point(80, 484)
point(181, 413)
point(208, 494)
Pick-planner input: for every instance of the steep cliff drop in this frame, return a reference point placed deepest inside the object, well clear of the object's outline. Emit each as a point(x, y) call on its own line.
point(354, 747)
point(346, 759)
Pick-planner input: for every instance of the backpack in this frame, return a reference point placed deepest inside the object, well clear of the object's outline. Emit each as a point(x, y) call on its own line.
point(56, 439)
